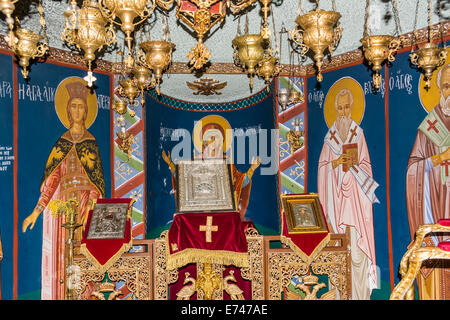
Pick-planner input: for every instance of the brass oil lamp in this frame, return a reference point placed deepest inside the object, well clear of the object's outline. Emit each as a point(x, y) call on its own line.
point(120, 106)
point(130, 91)
point(130, 13)
point(143, 79)
point(317, 31)
point(125, 138)
point(268, 67)
point(25, 43)
point(157, 56)
point(248, 53)
point(127, 14)
point(7, 7)
point(429, 56)
point(87, 29)
point(377, 49)
point(26, 46)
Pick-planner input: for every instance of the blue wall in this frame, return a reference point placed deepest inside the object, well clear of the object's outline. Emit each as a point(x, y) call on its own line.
point(163, 118)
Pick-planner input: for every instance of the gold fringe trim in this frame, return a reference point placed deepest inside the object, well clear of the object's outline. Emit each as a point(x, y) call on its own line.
point(308, 259)
point(194, 255)
point(103, 268)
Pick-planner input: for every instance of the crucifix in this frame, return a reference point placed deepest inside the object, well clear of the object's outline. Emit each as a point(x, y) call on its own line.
point(353, 134)
point(333, 136)
point(208, 228)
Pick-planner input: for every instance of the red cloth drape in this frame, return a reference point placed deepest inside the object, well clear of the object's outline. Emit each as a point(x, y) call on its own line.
point(103, 253)
point(188, 244)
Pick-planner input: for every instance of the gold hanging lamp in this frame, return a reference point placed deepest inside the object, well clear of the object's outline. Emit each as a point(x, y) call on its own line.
point(87, 29)
point(7, 7)
point(429, 56)
point(270, 64)
point(248, 51)
point(25, 43)
point(156, 55)
point(317, 31)
point(128, 14)
point(378, 48)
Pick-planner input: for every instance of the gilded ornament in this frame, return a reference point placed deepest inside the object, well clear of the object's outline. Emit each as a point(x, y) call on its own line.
point(208, 281)
point(232, 289)
point(248, 52)
point(26, 46)
point(206, 86)
point(188, 290)
point(428, 57)
point(317, 30)
point(130, 13)
point(157, 57)
point(87, 29)
point(377, 49)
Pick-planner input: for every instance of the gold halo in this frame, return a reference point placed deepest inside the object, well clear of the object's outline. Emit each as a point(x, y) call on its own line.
point(359, 101)
point(197, 136)
point(430, 98)
point(62, 98)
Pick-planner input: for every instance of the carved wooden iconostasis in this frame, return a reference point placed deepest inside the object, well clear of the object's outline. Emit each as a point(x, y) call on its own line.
point(293, 161)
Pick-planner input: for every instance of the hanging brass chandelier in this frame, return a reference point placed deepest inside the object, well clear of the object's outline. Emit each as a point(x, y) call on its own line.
point(378, 48)
point(156, 55)
point(248, 52)
point(254, 52)
point(270, 64)
point(429, 56)
point(25, 43)
point(7, 7)
point(87, 29)
point(317, 30)
point(128, 14)
point(202, 15)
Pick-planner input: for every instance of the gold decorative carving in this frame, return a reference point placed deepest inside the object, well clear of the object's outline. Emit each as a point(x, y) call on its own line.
point(284, 264)
point(188, 290)
point(132, 268)
point(232, 289)
point(310, 287)
point(254, 273)
point(206, 86)
point(209, 281)
point(412, 261)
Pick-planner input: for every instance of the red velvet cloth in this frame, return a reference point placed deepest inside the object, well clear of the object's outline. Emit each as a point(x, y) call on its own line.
point(444, 245)
point(187, 244)
point(103, 250)
point(444, 222)
point(185, 232)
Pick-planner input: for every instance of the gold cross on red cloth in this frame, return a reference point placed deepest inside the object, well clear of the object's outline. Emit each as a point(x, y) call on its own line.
point(208, 228)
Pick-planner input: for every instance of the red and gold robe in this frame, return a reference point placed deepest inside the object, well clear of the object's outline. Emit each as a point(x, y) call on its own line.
point(73, 171)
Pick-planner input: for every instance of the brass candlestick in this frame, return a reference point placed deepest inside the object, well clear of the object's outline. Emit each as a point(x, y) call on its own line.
point(69, 209)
